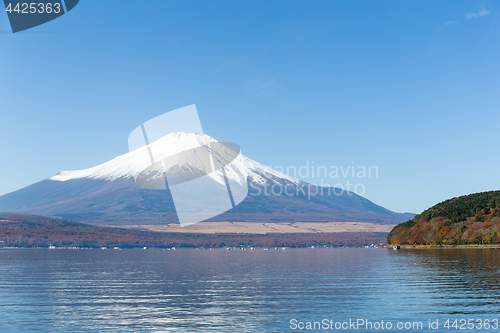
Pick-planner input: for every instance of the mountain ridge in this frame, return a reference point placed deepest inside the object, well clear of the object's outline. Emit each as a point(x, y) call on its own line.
point(107, 195)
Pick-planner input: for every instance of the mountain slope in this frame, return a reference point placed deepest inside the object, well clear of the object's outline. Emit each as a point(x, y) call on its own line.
point(107, 194)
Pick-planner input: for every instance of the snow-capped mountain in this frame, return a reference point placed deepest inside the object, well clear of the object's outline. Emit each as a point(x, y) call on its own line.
point(127, 165)
point(108, 194)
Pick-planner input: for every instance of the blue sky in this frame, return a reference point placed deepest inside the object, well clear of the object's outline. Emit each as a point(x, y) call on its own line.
point(410, 87)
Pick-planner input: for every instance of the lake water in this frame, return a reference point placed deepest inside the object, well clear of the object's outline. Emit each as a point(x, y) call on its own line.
point(188, 290)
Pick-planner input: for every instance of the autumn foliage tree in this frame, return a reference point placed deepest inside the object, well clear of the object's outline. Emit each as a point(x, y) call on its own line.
point(471, 219)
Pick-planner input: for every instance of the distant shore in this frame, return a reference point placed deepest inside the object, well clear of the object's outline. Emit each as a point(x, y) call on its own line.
point(265, 228)
point(35, 231)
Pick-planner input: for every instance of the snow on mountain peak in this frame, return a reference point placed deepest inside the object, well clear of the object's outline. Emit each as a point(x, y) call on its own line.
point(126, 165)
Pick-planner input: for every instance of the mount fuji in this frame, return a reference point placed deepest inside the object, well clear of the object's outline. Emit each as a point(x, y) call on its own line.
point(107, 194)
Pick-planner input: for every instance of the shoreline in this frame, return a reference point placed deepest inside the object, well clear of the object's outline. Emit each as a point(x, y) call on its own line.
point(466, 246)
point(264, 227)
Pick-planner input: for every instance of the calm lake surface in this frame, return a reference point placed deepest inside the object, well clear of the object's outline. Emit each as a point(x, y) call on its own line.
point(189, 290)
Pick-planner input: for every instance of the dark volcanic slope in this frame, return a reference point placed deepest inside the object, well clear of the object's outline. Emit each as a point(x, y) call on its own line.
point(122, 202)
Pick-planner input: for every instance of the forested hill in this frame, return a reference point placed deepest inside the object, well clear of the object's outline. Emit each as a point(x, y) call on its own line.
point(470, 219)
